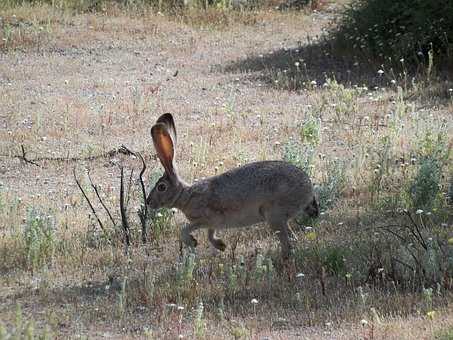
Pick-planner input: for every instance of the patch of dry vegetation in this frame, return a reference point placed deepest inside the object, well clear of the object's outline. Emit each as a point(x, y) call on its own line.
point(378, 262)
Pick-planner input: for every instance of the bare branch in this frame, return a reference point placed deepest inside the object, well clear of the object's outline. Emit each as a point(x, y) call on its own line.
point(123, 211)
point(418, 236)
point(24, 157)
point(109, 154)
point(129, 188)
point(143, 212)
point(89, 203)
point(403, 263)
point(95, 188)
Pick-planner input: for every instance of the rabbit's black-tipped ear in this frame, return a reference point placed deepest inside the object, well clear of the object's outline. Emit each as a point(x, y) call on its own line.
point(168, 121)
point(163, 143)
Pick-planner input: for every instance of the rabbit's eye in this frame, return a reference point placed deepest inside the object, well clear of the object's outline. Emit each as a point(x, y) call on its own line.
point(161, 187)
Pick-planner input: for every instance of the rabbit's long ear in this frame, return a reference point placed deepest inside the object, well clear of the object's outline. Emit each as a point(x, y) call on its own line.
point(168, 121)
point(163, 143)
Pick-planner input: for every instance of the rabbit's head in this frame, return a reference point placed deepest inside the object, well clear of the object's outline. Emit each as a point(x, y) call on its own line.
point(169, 187)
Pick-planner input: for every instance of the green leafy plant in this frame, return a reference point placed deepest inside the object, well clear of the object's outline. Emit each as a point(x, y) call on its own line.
point(40, 238)
point(300, 155)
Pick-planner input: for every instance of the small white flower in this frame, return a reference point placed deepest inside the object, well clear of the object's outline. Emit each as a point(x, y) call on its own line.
point(363, 322)
point(308, 229)
point(393, 81)
point(296, 64)
point(402, 60)
point(419, 212)
point(450, 90)
point(180, 307)
point(300, 275)
point(313, 82)
point(254, 301)
point(380, 72)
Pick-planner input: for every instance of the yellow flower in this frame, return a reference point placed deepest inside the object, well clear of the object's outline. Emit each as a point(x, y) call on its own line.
point(311, 236)
point(431, 314)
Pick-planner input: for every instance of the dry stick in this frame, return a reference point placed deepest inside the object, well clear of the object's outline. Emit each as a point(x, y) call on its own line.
point(89, 203)
point(95, 188)
point(143, 212)
point(24, 157)
point(129, 188)
point(404, 263)
point(122, 149)
point(123, 211)
point(419, 237)
point(408, 250)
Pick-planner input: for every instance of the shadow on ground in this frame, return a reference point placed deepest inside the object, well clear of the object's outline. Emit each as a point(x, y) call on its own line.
point(298, 67)
point(311, 65)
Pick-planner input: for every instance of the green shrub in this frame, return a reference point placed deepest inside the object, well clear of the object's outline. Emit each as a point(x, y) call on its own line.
point(333, 184)
point(434, 154)
point(399, 28)
point(445, 334)
point(299, 155)
point(425, 186)
point(40, 238)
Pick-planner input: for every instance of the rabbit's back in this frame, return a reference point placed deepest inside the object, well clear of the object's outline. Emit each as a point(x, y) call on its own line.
point(244, 195)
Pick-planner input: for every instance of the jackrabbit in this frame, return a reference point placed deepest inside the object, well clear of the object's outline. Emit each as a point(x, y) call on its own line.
point(271, 191)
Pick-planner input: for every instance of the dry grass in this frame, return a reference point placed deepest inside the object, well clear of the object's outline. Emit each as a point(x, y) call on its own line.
point(92, 82)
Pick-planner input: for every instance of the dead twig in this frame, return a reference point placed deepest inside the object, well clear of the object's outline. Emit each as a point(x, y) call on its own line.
point(123, 211)
point(24, 157)
point(109, 154)
point(89, 203)
point(95, 188)
point(143, 212)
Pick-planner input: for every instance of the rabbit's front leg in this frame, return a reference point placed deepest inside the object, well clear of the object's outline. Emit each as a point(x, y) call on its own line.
point(215, 241)
point(186, 236)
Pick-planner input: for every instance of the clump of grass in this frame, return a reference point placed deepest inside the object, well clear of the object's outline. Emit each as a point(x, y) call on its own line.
point(445, 334)
point(24, 329)
point(300, 155)
point(17, 33)
point(333, 183)
point(425, 187)
point(199, 323)
point(40, 238)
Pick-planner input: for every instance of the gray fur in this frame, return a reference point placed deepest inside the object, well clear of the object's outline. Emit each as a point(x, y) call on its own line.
point(270, 191)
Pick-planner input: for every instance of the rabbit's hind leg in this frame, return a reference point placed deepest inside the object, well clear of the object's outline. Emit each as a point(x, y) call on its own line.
point(216, 242)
